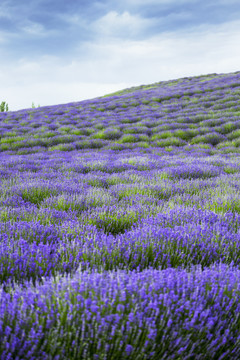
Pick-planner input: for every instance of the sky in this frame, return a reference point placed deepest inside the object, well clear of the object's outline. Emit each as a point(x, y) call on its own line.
point(57, 52)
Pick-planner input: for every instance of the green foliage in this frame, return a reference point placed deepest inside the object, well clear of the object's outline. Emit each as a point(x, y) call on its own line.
point(224, 144)
point(212, 139)
point(36, 195)
point(65, 203)
point(204, 146)
point(76, 132)
point(236, 142)
point(231, 170)
point(184, 134)
point(229, 127)
point(65, 129)
point(12, 139)
point(234, 135)
point(2, 106)
point(108, 134)
point(114, 222)
point(89, 144)
point(172, 141)
point(62, 147)
point(47, 134)
point(162, 135)
point(132, 139)
point(142, 144)
point(10, 134)
point(33, 106)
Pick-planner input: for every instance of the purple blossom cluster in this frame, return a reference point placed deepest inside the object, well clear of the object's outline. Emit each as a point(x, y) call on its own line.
point(120, 225)
point(151, 314)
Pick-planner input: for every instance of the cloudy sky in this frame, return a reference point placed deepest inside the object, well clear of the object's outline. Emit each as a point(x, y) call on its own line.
point(57, 51)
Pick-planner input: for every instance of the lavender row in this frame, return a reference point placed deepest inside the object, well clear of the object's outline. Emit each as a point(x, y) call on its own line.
point(153, 314)
point(180, 237)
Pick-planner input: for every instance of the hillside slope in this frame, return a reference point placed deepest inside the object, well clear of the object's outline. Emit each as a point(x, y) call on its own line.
point(120, 225)
point(189, 111)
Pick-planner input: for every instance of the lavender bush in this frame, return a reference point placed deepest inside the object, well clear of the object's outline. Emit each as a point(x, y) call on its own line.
point(120, 225)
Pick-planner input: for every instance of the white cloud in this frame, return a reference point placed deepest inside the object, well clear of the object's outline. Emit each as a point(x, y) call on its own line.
point(3, 38)
point(74, 20)
point(170, 55)
point(227, 2)
point(160, 2)
point(113, 24)
point(4, 12)
point(34, 29)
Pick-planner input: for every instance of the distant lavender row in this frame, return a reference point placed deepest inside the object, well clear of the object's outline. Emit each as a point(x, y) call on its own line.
point(169, 314)
point(185, 113)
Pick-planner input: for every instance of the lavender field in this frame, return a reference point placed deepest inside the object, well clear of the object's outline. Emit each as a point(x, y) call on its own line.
point(120, 225)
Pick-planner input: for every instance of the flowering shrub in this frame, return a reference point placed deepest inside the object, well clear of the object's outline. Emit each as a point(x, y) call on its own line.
point(120, 225)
